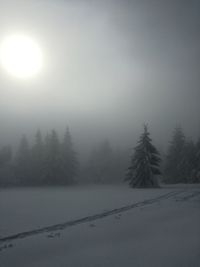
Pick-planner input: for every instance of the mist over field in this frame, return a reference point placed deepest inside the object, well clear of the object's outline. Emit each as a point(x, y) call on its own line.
point(99, 133)
point(109, 67)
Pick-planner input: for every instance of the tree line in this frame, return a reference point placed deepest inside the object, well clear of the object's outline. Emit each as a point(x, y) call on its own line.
point(48, 161)
point(182, 160)
point(51, 161)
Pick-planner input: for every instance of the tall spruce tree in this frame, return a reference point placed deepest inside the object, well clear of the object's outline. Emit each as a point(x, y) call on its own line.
point(187, 163)
point(6, 168)
point(52, 165)
point(69, 159)
point(22, 163)
point(37, 159)
point(144, 163)
point(174, 157)
point(196, 171)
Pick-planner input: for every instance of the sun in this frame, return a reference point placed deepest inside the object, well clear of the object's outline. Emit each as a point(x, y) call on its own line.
point(21, 56)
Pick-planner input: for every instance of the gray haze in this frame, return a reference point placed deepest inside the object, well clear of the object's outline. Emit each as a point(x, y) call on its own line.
point(109, 67)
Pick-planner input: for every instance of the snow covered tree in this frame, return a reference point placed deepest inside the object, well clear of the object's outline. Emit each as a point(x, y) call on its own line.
point(174, 157)
point(69, 159)
point(144, 163)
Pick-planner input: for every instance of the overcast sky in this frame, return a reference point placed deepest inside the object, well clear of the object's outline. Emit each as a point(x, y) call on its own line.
point(109, 66)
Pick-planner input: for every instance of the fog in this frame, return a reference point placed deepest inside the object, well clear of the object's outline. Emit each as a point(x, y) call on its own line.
point(109, 67)
point(99, 133)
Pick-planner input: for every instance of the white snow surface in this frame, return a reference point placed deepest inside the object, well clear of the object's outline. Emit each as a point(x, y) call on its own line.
point(165, 233)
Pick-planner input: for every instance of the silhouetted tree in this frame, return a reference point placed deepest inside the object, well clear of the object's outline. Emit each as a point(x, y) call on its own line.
point(69, 159)
point(53, 169)
point(144, 163)
point(175, 157)
point(22, 163)
point(6, 167)
point(196, 172)
point(37, 160)
point(187, 164)
point(101, 167)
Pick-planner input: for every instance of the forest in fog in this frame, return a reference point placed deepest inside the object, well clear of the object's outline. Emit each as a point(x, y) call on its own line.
point(52, 160)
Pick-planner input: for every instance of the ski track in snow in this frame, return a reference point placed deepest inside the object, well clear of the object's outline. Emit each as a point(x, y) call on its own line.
point(185, 198)
point(98, 216)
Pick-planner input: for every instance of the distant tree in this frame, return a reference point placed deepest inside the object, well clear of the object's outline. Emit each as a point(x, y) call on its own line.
point(5, 155)
point(53, 169)
point(37, 159)
point(144, 163)
point(187, 163)
point(6, 167)
point(173, 173)
point(69, 159)
point(119, 165)
point(196, 171)
point(22, 163)
point(47, 162)
point(101, 167)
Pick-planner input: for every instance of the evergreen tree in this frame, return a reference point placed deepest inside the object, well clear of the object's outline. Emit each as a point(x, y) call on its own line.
point(101, 164)
point(37, 159)
point(53, 164)
point(6, 168)
point(69, 159)
point(196, 171)
point(144, 163)
point(22, 164)
point(187, 164)
point(175, 157)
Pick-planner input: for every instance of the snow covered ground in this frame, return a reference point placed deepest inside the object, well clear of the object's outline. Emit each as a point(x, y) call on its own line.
point(155, 227)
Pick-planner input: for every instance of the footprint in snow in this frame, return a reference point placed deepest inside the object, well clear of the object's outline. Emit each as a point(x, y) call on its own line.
point(57, 234)
point(10, 245)
point(52, 235)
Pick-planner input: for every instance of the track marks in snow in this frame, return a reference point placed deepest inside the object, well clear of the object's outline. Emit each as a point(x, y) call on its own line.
point(191, 196)
point(91, 218)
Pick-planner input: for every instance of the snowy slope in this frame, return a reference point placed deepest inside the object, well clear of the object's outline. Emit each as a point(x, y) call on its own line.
point(163, 232)
point(25, 209)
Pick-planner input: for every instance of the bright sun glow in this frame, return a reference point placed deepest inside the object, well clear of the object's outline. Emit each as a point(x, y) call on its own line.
point(21, 56)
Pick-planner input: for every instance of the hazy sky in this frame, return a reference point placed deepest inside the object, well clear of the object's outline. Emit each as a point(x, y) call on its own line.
point(109, 66)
